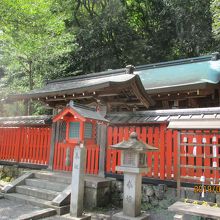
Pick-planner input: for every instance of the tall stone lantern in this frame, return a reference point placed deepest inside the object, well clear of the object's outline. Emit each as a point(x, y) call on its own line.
point(133, 164)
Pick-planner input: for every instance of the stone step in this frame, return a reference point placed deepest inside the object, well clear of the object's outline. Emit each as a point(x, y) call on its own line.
point(28, 200)
point(39, 214)
point(46, 184)
point(54, 177)
point(37, 192)
point(36, 202)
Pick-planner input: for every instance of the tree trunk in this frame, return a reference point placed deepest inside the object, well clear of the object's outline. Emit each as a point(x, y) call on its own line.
point(31, 85)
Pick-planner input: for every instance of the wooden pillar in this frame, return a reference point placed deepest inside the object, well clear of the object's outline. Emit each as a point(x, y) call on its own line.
point(54, 139)
point(102, 136)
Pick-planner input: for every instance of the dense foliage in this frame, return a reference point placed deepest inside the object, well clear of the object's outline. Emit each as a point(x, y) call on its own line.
point(47, 39)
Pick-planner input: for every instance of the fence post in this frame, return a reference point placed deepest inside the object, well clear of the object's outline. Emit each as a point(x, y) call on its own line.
point(162, 151)
point(102, 135)
point(178, 165)
point(54, 133)
point(18, 144)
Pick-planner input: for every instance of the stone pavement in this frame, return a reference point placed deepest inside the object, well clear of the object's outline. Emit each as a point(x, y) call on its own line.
point(160, 215)
point(11, 210)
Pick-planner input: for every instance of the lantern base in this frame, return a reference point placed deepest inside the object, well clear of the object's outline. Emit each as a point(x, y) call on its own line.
point(83, 217)
point(132, 169)
point(121, 216)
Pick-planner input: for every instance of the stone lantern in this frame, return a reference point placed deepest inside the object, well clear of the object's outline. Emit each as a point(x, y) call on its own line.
point(133, 164)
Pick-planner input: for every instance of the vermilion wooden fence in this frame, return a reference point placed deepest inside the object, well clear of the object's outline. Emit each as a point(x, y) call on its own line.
point(163, 164)
point(92, 157)
point(32, 145)
point(154, 135)
point(25, 144)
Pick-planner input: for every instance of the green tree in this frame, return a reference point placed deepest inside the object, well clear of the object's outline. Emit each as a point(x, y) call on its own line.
point(193, 27)
point(111, 34)
point(104, 37)
point(215, 9)
point(47, 39)
point(153, 21)
point(33, 37)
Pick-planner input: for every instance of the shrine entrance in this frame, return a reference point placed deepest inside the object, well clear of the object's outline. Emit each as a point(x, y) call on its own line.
point(77, 124)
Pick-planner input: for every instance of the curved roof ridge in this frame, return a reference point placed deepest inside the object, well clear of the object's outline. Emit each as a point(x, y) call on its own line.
point(89, 75)
point(174, 62)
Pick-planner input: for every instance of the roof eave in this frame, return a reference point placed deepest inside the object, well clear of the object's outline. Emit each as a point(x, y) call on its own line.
point(178, 88)
point(134, 83)
point(30, 95)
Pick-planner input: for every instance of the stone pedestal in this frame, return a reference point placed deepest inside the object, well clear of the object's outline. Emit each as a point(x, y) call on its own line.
point(83, 217)
point(121, 216)
point(77, 184)
point(133, 164)
point(132, 194)
point(97, 192)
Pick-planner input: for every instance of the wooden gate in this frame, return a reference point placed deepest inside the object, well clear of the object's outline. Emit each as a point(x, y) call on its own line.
point(199, 156)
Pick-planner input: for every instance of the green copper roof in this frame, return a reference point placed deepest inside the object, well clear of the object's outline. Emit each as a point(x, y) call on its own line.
point(156, 78)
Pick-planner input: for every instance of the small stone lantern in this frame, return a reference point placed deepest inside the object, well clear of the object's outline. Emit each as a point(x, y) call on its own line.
point(133, 164)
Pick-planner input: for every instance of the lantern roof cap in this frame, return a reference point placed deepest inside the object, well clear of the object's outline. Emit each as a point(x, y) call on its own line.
point(134, 144)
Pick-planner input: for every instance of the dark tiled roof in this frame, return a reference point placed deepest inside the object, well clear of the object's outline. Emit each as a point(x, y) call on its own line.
point(88, 112)
point(117, 81)
point(26, 121)
point(159, 116)
point(79, 84)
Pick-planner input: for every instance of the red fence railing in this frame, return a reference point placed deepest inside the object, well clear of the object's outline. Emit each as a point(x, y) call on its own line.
point(92, 157)
point(154, 135)
point(25, 144)
point(163, 164)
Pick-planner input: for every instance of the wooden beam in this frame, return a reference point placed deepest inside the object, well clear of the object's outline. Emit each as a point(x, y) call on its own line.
point(108, 94)
point(176, 97)
point(123, 103)
point(193, 103)
point(165, 104)
point(183, 95)
point(139, 95)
